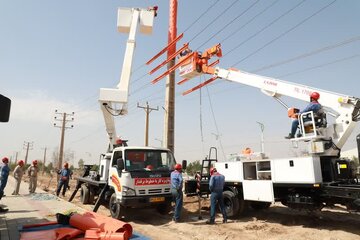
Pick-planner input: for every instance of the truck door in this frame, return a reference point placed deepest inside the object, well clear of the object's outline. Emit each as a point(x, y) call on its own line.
point(115, 173)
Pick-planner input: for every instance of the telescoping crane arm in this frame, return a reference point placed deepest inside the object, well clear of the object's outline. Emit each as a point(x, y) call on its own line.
point(113, 101)
point(345, 109)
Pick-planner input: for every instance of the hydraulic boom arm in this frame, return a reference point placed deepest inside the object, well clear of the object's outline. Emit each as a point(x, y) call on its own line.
point(113, 101)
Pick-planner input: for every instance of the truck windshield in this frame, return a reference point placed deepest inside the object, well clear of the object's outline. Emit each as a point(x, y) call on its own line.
point(148, 160)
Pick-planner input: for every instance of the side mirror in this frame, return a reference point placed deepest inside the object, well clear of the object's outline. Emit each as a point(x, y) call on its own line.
point(120, 164)
point(184, 164)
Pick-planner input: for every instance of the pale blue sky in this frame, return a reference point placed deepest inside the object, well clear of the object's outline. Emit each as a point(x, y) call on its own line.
point(57, 54)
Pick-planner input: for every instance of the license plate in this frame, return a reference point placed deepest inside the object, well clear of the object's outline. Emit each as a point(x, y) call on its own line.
point(157, 199)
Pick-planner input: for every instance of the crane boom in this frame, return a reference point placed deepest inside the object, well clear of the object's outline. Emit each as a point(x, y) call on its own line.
point(345, 107)
point(113, 101)
point(326, 141)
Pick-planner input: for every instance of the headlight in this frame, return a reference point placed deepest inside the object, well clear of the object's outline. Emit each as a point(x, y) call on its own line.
point(128, 191)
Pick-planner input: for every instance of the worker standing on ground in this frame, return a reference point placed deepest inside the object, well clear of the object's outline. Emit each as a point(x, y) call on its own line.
point(216, 186)
point(176, 191)
point(64, 179)
point(314, 106)
point(32, 172)
point(4, 174)
point(18, 173)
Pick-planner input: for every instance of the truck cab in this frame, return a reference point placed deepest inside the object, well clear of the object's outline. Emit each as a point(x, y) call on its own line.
point(139, 177)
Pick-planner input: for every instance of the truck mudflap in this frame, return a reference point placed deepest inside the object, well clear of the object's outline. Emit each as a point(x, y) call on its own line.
point(145, 201)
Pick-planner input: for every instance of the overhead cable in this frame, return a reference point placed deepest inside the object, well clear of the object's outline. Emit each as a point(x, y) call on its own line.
point(215, 18)
point(308, 54)
point(265, 27)
point(229, 23)
point(286, 32)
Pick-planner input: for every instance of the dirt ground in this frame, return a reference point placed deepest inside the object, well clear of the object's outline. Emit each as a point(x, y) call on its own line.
point(277, 222)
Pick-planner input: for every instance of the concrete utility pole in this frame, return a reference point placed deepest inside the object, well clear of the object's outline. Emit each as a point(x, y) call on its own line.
point(16, 156)
point(169, 118)
point(28, 146)
point(63, 119)
point(262, 127)
point(147, 109)
point(43, 168)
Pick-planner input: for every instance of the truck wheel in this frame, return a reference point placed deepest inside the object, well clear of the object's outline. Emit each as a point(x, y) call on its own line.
point(260, 205)
point(91, 196)
point(231, 203)
point(114, 207)
point(84, 194)
point(164, 208)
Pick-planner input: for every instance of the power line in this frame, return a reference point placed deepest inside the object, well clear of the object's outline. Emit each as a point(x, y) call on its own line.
point(308, 54)
point(205, 12)
point(249, 21)
point(229, 23)
point(286, 32)
point(216, 126)
point(265, 27)
point(215, 18)
point(320, 66)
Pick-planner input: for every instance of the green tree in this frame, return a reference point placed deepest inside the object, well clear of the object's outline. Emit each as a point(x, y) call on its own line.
point(95, 168)
point(193, 167)
point(81, 164)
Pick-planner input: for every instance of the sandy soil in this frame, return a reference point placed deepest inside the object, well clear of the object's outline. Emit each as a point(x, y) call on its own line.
point(277, 222)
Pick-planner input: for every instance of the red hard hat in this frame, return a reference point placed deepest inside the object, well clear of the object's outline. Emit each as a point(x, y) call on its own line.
point(315, 95)
point(35, 162)
point(212, 170)
point(150, 167)
point(5, 160)
point(21, 162)
point(178, 166)
point(66, 165)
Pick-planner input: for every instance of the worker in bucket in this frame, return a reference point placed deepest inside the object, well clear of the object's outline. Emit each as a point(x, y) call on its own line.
point(32, 172)
point(176, 191)
point(65, 175)
point(314, 106)
point(216, 187)
point(4, 174)
point(18, 174)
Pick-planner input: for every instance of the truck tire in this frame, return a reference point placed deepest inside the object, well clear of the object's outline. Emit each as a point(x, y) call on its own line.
point(231, 203)
point(91, 196)
point(114, 207)
point(260, 205)
point(164, 208)
point(84, 194)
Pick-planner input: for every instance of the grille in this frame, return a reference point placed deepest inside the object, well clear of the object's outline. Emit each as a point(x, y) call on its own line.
point(153, 191)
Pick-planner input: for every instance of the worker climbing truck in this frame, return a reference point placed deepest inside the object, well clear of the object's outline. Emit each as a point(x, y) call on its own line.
point(128, 177)
point(310, 181)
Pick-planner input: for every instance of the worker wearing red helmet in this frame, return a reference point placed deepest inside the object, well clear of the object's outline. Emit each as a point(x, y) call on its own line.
point(314, 106)
point(176, 191)
point(216, 187)
point(32, 172)
point(18, 174)
point(65, 175)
